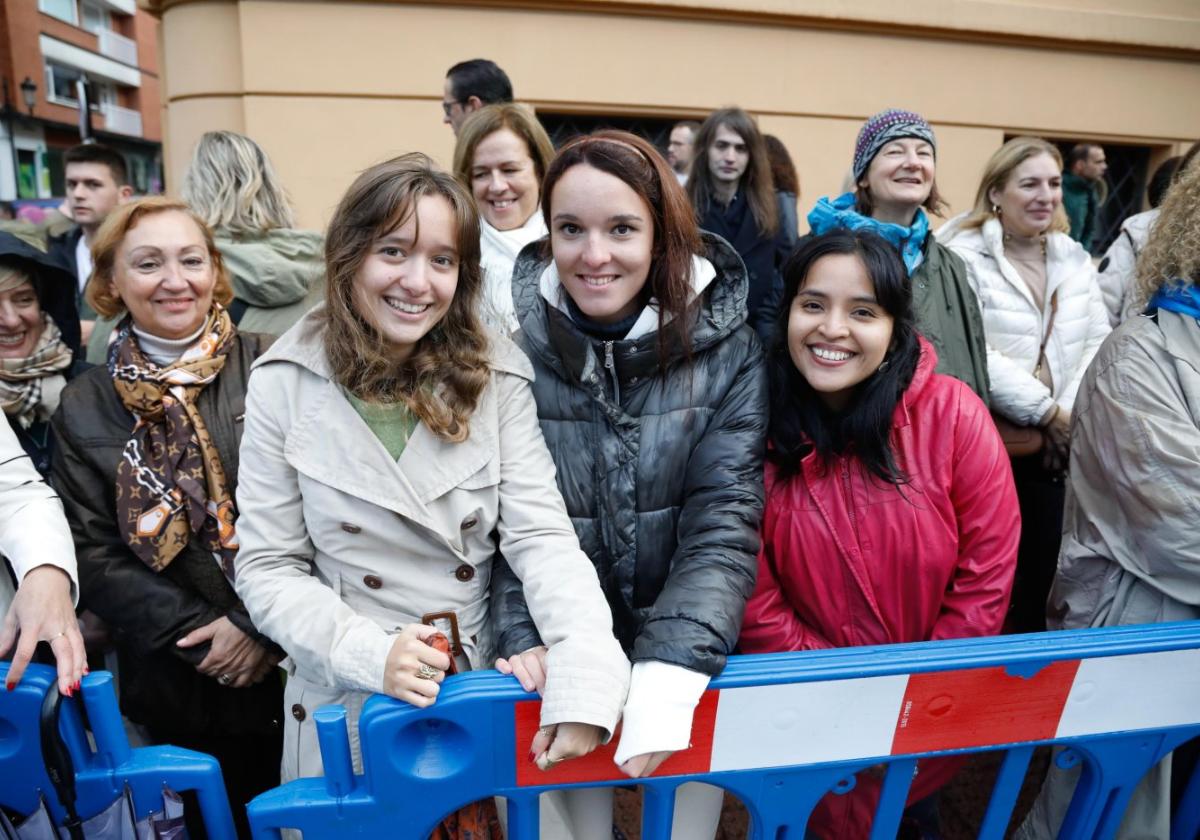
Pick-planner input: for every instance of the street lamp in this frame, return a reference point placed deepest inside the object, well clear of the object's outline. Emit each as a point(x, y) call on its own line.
point(29, 94)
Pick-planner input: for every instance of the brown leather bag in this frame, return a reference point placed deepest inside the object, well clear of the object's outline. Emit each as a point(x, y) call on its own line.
point(1022, 441)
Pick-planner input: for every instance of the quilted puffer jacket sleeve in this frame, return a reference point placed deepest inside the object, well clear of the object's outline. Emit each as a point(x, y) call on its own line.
point(587, 674)
point(515, 630)
point(1097, 330)
point(697, 617)
point(989, 527)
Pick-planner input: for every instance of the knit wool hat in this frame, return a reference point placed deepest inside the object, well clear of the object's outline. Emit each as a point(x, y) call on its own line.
point(885, 127)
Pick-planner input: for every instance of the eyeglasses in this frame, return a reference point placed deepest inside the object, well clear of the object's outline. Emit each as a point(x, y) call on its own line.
point(447, 106)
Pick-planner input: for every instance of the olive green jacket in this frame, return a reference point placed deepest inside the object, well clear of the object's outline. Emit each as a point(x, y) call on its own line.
point(948, 315)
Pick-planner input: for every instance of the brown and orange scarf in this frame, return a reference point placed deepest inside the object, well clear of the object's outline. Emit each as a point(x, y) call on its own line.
point(170, 481)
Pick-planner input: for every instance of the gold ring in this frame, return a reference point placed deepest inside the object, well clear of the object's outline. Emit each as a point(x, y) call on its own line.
point(427, 672)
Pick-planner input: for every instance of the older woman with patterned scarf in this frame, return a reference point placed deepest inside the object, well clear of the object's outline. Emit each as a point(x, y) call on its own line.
point(39, 343)
point(146, 465)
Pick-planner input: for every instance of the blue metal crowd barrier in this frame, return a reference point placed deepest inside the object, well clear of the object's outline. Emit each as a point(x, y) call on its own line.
point(102, 772)
point(781, 731)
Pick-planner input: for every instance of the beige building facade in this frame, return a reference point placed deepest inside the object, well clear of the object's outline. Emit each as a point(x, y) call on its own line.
point(329, 88)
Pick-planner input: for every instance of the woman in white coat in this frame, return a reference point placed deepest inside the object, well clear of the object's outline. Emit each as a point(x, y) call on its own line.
point(502, 156)
point(1044, 320)
point(35, 539)
point(387, 437)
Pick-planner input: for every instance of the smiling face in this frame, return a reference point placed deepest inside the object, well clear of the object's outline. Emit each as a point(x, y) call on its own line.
point(900, 177)
point(164, 275)
point(602, 238)
point(728, 156)
point(504, 180)
point(407, 282)
point(21, 321)
point(1030, 196)
point(838, 334)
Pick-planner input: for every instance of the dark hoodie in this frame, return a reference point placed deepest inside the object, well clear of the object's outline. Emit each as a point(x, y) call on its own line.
point(56, 295)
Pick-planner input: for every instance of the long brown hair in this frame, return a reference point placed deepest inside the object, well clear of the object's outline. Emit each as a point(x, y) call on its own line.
point(448, 369)
point(676, 236)
point(756, 181)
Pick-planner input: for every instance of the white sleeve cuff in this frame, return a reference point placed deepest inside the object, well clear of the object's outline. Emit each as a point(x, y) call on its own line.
point(658, 713)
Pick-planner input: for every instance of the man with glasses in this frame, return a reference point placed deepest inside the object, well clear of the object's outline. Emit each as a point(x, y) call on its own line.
point(469, 86)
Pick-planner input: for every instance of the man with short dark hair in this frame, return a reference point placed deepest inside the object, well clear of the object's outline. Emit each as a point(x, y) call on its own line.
point(679, 148)
point(469, 86)
point(97, 183)
point(1084, 191)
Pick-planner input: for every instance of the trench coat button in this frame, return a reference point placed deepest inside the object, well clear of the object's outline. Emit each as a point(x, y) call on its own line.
point(350, 528)
point(298, 712)
point(469, 523)
point(373, 582)
point(465, 572)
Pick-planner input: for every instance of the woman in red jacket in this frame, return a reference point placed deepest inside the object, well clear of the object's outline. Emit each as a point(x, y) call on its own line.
point(890, 514)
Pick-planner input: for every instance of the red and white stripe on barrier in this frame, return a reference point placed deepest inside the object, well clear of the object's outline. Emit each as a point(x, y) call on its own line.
point(809, 723)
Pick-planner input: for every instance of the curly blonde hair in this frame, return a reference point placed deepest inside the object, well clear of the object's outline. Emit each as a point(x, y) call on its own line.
point(443, 378)
point(1172, 254)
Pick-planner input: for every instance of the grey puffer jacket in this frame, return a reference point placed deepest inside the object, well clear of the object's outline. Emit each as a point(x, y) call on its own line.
point(661, 471)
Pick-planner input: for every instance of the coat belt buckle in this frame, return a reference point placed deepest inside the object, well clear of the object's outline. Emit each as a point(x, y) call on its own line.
point(451, 618)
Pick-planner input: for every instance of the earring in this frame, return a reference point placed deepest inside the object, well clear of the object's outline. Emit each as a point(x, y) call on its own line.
point(995, 209)
point(884, 364)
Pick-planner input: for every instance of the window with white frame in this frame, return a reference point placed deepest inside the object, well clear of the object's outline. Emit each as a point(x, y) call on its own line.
point(61, 88)
point(61, 9)
point(95, 18)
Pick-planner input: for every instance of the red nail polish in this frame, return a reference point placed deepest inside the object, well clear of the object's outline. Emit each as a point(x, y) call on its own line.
point(86, 671)
point(69, 692)
point(75, 687)
point(9, 686)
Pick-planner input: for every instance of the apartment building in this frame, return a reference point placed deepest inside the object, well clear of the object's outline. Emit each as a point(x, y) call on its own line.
point(49, 47)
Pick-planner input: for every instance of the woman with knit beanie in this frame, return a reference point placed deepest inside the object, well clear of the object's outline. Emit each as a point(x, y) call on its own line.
point(894, 169)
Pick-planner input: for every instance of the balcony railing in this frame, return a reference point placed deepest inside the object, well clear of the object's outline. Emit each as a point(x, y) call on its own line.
point(120, 120)
point(118, 47)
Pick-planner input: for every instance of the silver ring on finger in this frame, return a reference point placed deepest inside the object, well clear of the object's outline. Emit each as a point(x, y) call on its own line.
point(552, 762)
point(57, 636)
point(427, 672)
point(547, 731)
point(225, 679)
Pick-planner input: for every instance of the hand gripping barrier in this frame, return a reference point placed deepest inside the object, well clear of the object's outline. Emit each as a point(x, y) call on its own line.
point(781, 731)
point(101, 774)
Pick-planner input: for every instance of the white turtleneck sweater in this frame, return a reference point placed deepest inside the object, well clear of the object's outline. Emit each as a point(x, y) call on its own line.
point(164, 351)
point(498, 254)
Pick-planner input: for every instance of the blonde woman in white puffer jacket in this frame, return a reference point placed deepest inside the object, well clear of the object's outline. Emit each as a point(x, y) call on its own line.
point(1044, 319)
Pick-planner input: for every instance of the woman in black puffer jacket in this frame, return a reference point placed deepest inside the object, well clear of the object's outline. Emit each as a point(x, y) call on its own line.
point(652, 397)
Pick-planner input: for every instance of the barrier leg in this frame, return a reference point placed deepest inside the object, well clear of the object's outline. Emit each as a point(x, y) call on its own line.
point(658, 808)
point(334, 739)
point(891, 799)
point(214, 807)
point(1005, 793)
point(524, 821)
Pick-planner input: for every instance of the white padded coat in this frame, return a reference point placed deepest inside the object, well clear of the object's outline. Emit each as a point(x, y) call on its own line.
point(1014, 326)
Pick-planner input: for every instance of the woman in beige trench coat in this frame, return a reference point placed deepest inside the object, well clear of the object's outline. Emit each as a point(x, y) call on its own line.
point(387, 439)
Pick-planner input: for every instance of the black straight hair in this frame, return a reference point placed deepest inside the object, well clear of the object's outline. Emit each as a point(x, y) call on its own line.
point(800, 420)
point(482, 78)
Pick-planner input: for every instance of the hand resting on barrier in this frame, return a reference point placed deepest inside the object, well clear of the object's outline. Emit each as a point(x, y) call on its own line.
point(529, 668)
point(415, 669)
point(42, 612)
